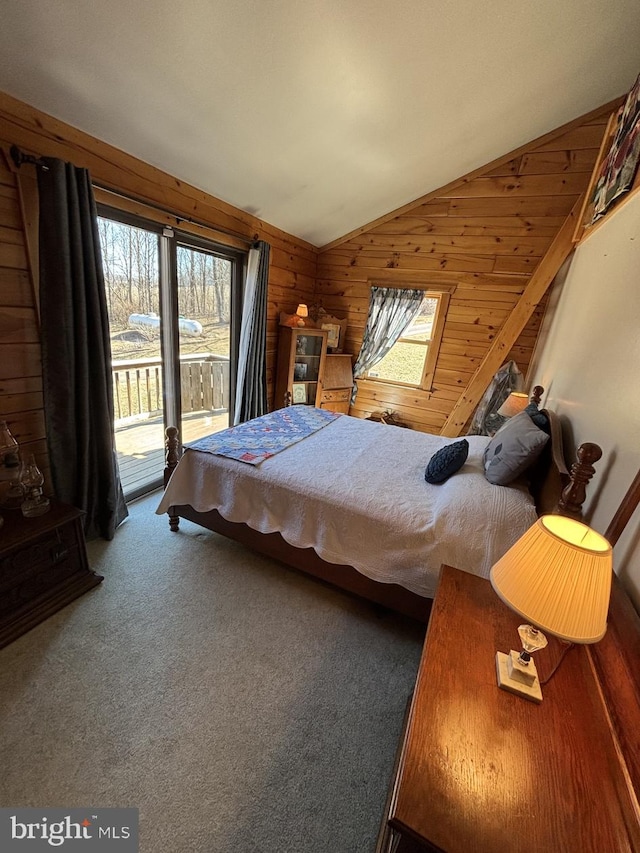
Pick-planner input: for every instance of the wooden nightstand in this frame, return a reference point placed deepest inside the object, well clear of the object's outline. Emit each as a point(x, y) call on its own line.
point(483, 771)
point(43, 567)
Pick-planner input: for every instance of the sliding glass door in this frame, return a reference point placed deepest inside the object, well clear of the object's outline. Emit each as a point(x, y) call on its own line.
point(174, 310)
point(205, 298)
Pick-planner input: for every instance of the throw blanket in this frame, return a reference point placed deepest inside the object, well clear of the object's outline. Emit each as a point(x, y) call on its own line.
point(260, 438)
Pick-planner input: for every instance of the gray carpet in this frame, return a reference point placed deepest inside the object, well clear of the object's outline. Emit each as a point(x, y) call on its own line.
point(239, 705)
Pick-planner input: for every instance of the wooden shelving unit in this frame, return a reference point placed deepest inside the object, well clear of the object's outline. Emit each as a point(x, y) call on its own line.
point(300, 367)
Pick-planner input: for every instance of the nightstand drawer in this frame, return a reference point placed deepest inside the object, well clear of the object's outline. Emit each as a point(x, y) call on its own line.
point(38, 578)
point(340, 395)
point(43, 566)
point(40, 554)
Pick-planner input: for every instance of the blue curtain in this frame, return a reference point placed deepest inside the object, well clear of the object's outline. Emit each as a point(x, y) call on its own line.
point(391, 310)
point(251, 383)
point(76, 350)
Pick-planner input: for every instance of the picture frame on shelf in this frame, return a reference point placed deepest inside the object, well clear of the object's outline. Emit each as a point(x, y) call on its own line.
point(336, 329)
point(298, 392)
point(299, 370)
point(333, 338)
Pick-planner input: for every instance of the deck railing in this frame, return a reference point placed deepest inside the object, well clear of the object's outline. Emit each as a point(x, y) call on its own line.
point(137, 385)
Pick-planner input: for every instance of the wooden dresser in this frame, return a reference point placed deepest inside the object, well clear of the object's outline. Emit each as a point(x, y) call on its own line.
point(483, 771)
point(43, 567)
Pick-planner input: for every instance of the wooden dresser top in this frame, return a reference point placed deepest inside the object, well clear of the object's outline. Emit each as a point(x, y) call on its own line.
point(484, 770)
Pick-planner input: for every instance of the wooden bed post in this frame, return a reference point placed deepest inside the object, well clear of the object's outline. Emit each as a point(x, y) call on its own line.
point(575, 493)
point(536, 394)
point(172, 445)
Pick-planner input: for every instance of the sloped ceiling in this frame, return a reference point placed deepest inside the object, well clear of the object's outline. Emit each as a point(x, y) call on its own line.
point(318, 116)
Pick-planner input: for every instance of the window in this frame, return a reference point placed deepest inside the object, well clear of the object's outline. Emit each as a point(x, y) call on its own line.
point(412, 359)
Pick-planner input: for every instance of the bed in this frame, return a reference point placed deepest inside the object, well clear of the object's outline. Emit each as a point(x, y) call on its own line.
point(349, 504)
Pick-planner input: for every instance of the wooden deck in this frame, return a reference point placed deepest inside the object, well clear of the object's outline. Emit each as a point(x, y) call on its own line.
point(140, 448)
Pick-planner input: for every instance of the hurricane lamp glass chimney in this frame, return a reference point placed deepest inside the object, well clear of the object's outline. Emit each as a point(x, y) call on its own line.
point(11, 491)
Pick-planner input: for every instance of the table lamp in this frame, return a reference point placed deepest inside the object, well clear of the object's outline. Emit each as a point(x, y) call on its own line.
point(515, 403)
point(297, 320)
point(558, 577)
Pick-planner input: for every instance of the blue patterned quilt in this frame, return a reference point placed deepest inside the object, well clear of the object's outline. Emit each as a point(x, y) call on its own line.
point(260, 438)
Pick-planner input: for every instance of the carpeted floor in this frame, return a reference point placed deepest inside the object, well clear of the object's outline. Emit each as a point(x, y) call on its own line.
point(240, 706)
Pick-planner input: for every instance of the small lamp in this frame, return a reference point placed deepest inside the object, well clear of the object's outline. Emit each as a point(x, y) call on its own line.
point(558, 577)
point(295, 320)
point(515, 403)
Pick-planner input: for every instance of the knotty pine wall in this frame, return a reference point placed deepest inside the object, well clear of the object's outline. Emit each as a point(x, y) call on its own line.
point(292, 270)
point(20, 366)
point(485, 234)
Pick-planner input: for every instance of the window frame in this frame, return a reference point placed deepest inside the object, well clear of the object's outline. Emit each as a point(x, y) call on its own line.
point(443, 294)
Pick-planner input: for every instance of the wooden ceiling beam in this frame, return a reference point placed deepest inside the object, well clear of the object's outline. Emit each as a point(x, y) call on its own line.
point(546, 271)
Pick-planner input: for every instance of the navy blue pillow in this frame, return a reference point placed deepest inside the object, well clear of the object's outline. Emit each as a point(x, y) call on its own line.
point(447, 461)
point(539, 418)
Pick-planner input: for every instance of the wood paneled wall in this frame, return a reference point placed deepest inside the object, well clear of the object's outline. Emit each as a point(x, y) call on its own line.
point(485, 233)
point(292, 272)
point(20, 364)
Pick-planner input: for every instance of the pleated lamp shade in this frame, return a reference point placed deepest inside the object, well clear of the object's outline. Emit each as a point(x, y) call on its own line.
point(514, 404)
point(558, 577)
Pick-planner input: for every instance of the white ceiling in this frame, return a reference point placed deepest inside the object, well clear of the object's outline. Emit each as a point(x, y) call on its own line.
point(318, 116)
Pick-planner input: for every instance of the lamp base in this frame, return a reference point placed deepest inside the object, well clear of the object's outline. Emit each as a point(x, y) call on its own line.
point(516, 678)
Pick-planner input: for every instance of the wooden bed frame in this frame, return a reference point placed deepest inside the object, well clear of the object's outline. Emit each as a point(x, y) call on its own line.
point(555, 490)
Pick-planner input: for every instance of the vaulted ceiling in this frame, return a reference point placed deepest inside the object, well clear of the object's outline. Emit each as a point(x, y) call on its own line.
point(318, 116)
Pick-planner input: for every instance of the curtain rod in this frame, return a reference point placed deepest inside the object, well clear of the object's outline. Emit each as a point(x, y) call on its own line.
point(178, 216)
point(19, 157)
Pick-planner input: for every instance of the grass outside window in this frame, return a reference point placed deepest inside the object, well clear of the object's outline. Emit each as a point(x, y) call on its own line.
point(411, 360)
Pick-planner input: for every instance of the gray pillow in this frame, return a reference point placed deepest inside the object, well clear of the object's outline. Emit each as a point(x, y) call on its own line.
point(513, 449)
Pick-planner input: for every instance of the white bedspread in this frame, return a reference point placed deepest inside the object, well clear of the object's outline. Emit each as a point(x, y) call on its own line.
point(355, 492)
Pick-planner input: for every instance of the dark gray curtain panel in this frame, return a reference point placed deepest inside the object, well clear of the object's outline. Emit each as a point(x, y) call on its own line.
point(251, 388)
point(76, 351)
